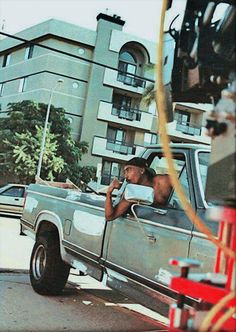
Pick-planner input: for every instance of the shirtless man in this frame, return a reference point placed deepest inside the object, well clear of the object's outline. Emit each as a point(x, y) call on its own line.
point(136, 171)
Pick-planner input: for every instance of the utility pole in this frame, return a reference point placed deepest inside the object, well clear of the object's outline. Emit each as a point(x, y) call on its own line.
point(59, 81)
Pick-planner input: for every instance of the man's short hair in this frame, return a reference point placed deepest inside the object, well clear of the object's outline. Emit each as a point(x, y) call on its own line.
point(141, 162)
point(137, 161)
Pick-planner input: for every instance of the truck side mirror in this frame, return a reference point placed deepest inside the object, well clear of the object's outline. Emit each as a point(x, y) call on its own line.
point(139, 194)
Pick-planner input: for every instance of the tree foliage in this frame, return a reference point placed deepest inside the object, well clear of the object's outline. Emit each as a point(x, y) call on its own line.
point(20, 140)
point(148, 96)
point(26, 149)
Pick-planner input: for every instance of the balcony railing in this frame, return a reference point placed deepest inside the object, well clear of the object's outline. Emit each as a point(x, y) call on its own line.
point(126, 113)
point(131, 80)
point(189, 129)
point(120, 147)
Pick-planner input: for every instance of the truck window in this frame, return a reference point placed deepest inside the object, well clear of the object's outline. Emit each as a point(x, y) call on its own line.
point(174, 200)
point(159, 164)
point(203, 159)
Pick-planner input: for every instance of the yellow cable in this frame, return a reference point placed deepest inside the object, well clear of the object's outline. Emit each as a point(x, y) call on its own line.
point(223, 319)
point(211, 314)
point(160, 101)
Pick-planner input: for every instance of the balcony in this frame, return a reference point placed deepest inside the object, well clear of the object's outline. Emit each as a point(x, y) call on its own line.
point(189, 129)
point(187, 132)
point(126, 113)
point(130, 80)
point(120, 147)
point(113, 149)
point(129, 117)
point(124, 81)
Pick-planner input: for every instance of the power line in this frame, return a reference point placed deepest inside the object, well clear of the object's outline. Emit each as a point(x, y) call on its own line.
point(29, 42)
point(67, 113)
point(41, 72)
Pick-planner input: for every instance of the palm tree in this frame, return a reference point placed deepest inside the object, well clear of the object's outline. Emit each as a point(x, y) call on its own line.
point(149, 97)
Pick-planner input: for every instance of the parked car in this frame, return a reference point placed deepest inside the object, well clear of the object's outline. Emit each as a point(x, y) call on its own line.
point(12, 197)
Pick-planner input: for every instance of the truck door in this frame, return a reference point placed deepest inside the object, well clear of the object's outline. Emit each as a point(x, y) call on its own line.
point(84, 227)
point(200, 247)
point(141, 250)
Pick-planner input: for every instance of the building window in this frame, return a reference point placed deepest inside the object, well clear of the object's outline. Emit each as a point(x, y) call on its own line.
point(111, 170)
point(116, 142)
point(6, 60)
point(116, 135)
point(150, 139)
point(1, 89)
point(127, 63)
point(182, 117)
point(122, 101)
point(122, 108)
point(128, 58)
point(29, 52)
point(127, 68)
point(22, 85)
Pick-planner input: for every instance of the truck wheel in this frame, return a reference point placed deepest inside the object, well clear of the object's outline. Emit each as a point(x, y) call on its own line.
point(48, 273)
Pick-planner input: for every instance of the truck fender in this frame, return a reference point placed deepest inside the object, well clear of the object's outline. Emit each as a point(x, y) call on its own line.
point(54, 219)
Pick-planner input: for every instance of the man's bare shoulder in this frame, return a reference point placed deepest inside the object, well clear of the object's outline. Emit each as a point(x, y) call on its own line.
point(161, 179)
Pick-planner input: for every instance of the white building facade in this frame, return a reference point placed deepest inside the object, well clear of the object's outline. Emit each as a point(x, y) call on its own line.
point(105, 73)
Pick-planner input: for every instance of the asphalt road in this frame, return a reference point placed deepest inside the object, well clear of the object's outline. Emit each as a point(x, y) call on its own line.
point(85, 304)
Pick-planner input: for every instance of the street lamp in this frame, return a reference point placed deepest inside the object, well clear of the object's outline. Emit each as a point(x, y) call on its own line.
point(59, 81)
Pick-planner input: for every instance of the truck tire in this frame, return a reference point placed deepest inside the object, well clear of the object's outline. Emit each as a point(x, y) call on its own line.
point(48, 273)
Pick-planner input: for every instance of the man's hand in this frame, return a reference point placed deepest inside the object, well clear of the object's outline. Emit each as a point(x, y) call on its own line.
point(113, 212)
point(115, 184)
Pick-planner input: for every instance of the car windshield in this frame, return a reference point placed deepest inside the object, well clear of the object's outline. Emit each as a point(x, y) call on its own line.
point(13, 192)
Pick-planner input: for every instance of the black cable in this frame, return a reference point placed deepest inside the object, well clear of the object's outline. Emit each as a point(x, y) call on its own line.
point(68, 113)
point(44, 71)
point(56, 73)
point(28, 42)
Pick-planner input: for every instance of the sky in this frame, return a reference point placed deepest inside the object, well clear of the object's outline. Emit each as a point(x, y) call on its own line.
point(141, 16)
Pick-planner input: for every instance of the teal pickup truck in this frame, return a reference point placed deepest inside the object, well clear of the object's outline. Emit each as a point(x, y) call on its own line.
point(130, 253)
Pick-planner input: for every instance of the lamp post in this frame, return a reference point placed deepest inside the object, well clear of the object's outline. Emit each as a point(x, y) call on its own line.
point(59, 81)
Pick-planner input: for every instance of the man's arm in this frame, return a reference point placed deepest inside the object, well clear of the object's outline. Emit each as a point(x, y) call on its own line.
point(162, 188)
point(112, 212)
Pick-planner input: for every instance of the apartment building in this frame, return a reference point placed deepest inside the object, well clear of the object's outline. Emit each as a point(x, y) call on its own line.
point(105, 73)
